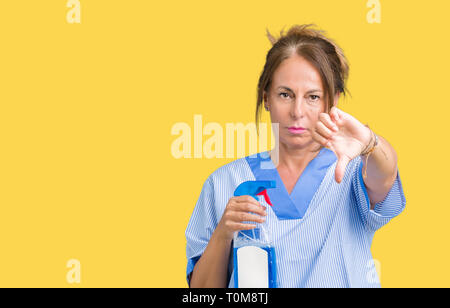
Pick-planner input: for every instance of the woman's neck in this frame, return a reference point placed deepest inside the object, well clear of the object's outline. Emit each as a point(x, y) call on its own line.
point(294, 158)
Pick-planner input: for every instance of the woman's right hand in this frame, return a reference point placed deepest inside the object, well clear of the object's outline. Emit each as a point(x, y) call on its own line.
point(238, 210)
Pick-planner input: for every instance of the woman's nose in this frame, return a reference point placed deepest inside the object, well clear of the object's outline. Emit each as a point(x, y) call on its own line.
point(297, 109)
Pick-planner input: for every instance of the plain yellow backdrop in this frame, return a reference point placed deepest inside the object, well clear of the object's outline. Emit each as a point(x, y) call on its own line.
point(86, 111)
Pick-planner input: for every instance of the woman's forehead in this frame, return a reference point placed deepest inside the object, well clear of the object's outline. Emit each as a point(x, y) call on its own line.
point(297, 74)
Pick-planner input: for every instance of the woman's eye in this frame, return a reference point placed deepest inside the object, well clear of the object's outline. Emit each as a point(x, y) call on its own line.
point(314, 100)
point(284, 93)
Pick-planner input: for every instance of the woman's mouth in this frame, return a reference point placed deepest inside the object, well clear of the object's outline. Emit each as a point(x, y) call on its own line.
point(296, 130)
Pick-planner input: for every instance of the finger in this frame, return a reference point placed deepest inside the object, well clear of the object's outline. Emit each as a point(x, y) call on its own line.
point(324, 131)
point(320, 139)
point(247, 199)
point(325, 118)
point(236, 226)
point(338, 116)
point(334, 114)
point(251, 207)
point(340, 168)
point(244, 216)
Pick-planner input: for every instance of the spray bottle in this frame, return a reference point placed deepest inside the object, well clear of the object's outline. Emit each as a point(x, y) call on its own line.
point(253, 252)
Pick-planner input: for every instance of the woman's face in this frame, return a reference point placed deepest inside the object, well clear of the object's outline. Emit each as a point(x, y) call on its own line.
point(295, 100)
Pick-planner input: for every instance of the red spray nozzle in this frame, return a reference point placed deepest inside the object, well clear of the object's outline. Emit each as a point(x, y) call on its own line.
point(266, 196)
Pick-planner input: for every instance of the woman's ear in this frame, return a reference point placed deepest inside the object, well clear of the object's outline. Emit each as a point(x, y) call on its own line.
point(265, 102)
point(336, 99)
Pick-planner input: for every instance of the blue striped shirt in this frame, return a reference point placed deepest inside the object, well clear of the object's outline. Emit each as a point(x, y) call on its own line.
point(322, 231)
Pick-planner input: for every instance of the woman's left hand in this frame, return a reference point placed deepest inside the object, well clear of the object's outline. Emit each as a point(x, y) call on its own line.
point(347, 141)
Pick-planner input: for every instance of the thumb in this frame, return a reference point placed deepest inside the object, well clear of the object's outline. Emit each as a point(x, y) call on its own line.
point(340, 168)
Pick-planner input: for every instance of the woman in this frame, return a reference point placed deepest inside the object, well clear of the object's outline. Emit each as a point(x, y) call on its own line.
point(325, 208)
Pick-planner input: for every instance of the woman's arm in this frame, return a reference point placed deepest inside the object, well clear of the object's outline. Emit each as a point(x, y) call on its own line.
point(381, 170)
point(211, 269)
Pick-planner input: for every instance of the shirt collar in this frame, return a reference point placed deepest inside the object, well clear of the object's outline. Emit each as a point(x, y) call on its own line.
point(291, 206)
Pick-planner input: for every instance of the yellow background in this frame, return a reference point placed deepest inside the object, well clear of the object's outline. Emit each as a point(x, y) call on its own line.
point(86, 112)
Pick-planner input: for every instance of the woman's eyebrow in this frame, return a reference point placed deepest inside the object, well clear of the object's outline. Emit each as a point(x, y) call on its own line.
point(310, 91)
point(286, 88)
point(315, 90)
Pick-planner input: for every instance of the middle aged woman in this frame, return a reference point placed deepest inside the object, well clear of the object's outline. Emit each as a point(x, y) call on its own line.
point(326, 209)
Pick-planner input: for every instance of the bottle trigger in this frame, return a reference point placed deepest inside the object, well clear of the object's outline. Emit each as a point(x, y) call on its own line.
point(266, 196)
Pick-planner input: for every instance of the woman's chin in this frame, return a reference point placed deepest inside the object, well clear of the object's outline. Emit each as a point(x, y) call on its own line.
point(297, 143)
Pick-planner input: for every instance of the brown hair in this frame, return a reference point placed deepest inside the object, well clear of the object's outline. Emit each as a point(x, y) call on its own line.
point(327, 57)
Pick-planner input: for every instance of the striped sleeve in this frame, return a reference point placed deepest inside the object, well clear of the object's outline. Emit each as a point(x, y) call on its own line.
point(200, 227)
point(383, 211)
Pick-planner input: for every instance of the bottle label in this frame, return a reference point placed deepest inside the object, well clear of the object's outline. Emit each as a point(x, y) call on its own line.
point(252, 267)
